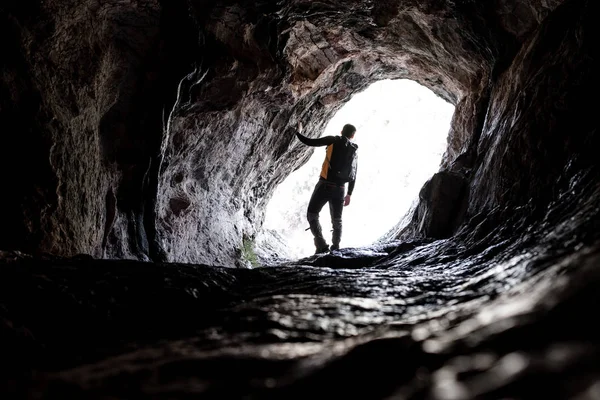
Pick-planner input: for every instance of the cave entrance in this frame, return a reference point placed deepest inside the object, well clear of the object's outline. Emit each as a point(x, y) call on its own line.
point(401, 133)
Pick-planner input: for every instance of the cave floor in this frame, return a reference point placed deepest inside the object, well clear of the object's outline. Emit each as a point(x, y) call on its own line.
point(497, 313)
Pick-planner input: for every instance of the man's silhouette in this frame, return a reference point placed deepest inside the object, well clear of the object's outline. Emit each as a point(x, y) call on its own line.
point(338, 168)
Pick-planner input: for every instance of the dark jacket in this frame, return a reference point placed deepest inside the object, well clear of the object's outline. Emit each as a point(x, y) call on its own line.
point(328, 141)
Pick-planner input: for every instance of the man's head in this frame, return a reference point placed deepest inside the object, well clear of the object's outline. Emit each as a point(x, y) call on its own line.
point(348, 131)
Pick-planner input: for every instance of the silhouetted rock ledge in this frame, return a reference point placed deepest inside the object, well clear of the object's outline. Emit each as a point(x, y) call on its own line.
point(142, 141)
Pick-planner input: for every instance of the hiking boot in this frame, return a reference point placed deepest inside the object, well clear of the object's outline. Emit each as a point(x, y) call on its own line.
point(321, 250)
point(321, 245)
point(334, 247)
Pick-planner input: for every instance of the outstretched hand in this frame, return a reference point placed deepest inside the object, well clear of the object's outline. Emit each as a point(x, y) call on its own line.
point(346, 200)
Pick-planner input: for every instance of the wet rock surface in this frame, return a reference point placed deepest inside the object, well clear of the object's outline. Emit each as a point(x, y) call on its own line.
point(490, 313)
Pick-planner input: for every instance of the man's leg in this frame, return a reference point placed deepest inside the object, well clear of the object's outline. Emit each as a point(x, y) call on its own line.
point(336, 206)
point(315, 205)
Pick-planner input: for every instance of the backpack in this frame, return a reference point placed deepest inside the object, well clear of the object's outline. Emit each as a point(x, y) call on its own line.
point(342, 166)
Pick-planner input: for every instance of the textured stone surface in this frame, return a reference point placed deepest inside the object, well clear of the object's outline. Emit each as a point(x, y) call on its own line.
point(492, 312)
point(131, 165)
point(83, 93)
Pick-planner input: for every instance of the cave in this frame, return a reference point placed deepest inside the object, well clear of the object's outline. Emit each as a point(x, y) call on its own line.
point(143, 140)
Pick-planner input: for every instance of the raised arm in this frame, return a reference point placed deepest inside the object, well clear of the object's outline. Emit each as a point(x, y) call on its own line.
point(324, 141)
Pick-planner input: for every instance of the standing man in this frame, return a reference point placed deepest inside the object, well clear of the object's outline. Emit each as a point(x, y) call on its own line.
point(338, 168)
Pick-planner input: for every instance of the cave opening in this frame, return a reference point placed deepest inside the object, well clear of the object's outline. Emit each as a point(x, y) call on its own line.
point(402, 128)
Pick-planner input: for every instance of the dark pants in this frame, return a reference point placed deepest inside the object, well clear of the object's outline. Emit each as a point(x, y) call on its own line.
point(334, 194)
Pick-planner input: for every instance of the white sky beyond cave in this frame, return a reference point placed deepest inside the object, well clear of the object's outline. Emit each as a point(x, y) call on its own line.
point(401, 131)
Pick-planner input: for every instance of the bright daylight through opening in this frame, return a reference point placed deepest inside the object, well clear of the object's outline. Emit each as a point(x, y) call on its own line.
point(401, 131)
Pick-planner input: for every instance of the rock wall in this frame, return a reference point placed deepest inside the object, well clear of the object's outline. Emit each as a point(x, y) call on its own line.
point(158, 130)
point(82, 93)
point(540, 127)
point(538, 136)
